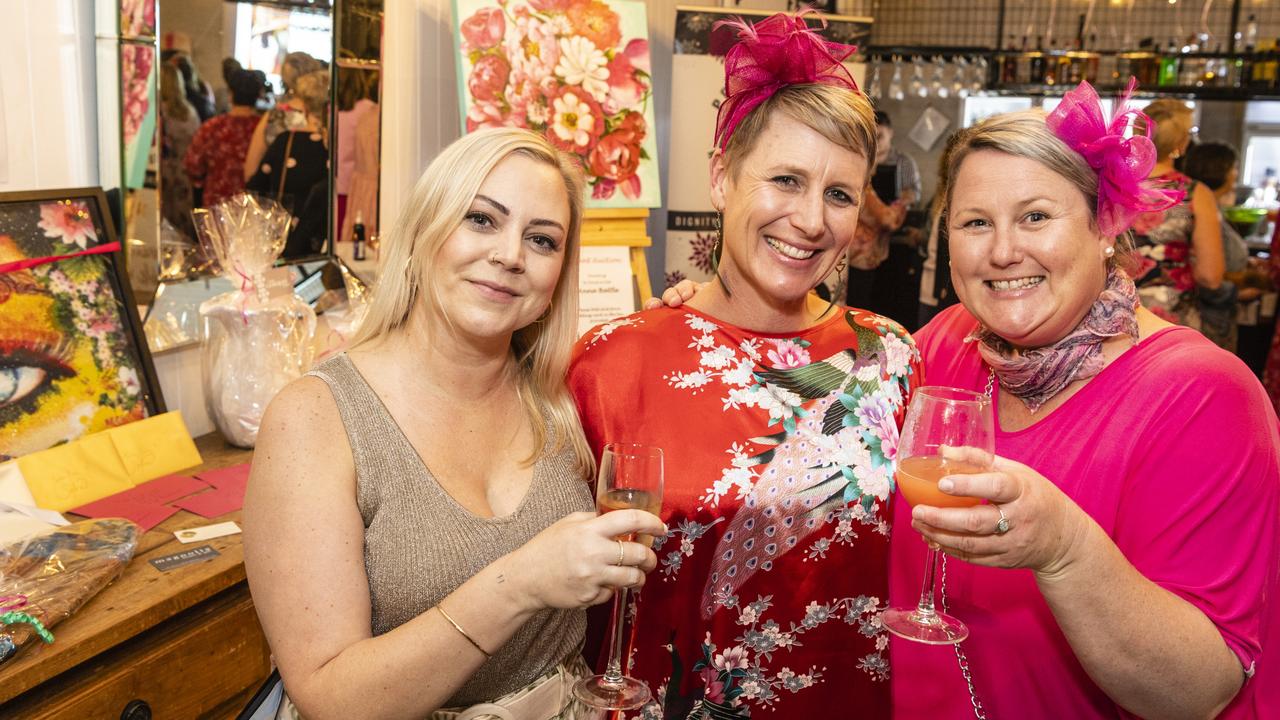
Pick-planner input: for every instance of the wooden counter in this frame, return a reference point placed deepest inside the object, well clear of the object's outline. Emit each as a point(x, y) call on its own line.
point(181, 644)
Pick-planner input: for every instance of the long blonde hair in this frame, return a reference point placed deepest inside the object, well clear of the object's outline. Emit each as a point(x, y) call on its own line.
point(173, 94)
point(436, 207)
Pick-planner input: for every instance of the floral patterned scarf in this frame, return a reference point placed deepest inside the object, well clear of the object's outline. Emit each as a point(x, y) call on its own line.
point(1034, 376)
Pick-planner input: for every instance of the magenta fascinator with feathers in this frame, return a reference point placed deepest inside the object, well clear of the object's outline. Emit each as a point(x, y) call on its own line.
point(778, 51)
point(1122, 159)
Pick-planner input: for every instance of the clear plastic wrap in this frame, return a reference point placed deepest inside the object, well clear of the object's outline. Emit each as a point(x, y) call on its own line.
point(256, 338)
point(45, 578)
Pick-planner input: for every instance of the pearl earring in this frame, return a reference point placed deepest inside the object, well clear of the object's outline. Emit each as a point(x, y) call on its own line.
point(1109, 251)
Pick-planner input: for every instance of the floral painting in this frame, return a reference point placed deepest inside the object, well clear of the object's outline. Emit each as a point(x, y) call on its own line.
point(575, 70)
point(137, 18)
point(72, 357)
point(138, 108)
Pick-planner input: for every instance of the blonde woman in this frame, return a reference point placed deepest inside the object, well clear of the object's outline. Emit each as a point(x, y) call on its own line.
point(178, 124)
point(417, 530)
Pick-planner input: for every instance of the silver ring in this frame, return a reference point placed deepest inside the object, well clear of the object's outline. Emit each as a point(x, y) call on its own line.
point(1002, 526)
point(621, 552)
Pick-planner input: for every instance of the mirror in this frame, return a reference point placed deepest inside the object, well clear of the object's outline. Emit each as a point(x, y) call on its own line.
point(170, 68)
point(357, 146)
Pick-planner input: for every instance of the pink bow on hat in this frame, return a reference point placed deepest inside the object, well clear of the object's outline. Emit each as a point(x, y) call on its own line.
point(776, 52)
point(1122, 163)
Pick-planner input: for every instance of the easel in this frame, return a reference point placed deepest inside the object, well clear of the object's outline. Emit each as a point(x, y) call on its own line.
point(625, 227)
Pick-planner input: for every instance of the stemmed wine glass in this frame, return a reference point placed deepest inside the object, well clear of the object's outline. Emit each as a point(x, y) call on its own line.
point(938, 417)
point(630, 477)
point(895, 82)
point(918, 88)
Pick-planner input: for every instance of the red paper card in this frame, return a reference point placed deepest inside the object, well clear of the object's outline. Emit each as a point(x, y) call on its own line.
point(234, 477)
point(215, 503)
point(145, 515)
point(144, 504)
point(169, 487)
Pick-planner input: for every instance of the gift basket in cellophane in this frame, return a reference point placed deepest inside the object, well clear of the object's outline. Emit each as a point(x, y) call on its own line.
point(45, 578)
point(256, 339)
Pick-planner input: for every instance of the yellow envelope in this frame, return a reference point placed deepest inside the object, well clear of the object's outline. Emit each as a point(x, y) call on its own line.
point(108, 462)
point(79, 472)
point(155, 447)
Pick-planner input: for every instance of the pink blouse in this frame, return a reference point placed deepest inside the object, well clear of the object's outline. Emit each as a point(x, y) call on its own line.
point(1174, 450)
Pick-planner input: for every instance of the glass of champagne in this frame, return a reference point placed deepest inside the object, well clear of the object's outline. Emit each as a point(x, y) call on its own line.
point(630, 477)
point(937, 417)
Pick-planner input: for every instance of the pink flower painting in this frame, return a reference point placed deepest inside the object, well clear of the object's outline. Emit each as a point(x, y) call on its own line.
point(68, 221)
point(573, 70)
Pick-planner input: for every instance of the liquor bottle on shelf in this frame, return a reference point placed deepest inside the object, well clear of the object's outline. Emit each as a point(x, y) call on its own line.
point(1263, 75)
point(1051, 64)
point(1091, 62)
point(1251, 34)
point(1009, 64)
point(1024, 64)
point(1168, 63)
point(1038, 63)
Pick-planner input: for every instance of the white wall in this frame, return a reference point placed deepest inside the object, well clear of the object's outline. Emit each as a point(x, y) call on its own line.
point(48, 100)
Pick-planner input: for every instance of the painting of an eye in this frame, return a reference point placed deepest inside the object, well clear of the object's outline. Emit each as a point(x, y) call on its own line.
point(16, 383)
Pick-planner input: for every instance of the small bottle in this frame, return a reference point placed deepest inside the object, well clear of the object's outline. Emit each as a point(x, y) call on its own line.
point(1251, 34)
point(1168, 73)
point(1037, 63)
point(1009, 66)
point(357, 237)
point(1091, 64)
point(1051, 64)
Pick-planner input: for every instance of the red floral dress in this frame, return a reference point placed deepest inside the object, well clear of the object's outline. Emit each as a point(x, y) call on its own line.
point(216, 155)
point(1165, 282)
point(779, 453)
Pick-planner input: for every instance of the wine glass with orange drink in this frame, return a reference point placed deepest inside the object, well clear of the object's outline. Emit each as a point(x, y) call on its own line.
point(630, 477)
point(938, 418)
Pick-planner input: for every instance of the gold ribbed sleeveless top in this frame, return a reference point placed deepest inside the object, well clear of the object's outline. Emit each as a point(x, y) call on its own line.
point(420, 544)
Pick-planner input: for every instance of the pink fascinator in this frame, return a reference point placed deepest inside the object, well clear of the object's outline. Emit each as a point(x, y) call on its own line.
point(1122, 163)
point(776, 52)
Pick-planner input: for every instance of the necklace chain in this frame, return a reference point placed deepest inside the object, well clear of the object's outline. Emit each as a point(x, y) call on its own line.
point(978, 712)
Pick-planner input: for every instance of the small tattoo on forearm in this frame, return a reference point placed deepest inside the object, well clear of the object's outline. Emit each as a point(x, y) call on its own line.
point(501, 578)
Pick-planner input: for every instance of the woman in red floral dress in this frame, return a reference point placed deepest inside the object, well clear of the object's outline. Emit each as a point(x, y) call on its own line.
point(216, 156)
point(777, 414)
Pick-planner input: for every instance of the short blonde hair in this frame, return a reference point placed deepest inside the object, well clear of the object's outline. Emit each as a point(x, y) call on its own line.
point(838, 114)
point(436, 207)
point(1172, 120)
point(1024, 134)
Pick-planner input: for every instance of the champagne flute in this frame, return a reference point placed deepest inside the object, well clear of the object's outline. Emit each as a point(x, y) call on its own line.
point(630, 477)
point(938, 417)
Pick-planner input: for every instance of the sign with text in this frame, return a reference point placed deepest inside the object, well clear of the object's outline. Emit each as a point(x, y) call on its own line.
point(604, 285)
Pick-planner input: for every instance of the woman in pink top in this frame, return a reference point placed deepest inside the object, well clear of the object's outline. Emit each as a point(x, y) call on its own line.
point(1129, 553)
point(1126, 555)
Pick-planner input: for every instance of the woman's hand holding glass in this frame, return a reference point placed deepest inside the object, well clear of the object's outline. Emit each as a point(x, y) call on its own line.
point(938, 419)
point(1046, 530)
point(577, 562)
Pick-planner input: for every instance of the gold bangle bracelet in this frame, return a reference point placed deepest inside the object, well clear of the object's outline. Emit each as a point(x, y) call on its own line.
point(462, 632)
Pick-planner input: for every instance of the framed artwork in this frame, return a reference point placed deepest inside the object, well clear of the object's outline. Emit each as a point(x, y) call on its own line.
point(138, 108)
point(137, 18)
point(575, 70)
point(73, 358)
